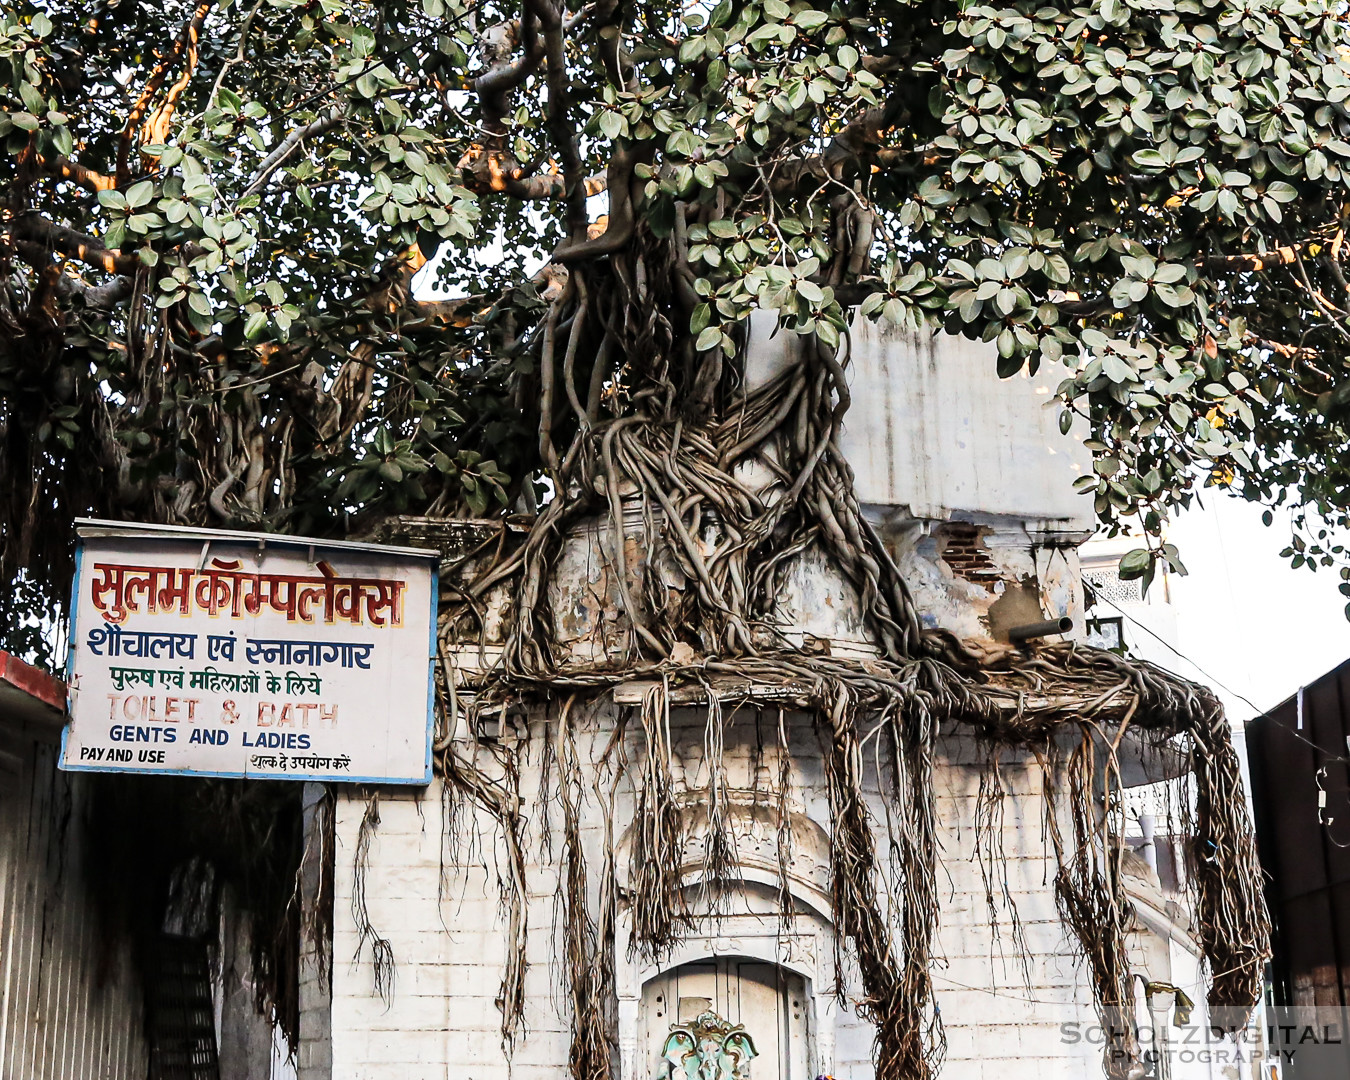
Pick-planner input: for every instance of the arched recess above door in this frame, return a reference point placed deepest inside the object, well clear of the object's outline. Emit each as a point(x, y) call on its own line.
point(752, 825)
point(749, 926)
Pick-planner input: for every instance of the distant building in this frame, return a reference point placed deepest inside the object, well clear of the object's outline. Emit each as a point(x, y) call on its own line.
point(1298, 753)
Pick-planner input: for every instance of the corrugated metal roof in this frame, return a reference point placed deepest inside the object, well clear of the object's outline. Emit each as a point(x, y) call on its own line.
point(29, 693)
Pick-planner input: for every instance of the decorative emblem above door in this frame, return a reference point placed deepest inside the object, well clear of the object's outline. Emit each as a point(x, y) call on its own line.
point(706, 1048)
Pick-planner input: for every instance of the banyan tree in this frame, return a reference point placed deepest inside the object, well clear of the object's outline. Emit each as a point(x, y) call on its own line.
point(311, 267)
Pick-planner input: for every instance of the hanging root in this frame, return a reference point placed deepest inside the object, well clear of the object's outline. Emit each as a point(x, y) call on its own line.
point(588, 943)
point(989, 853)
point(1092, 903)
point(719, 859)
point(897, 987)
point(658, 909)
point(501, 800)
point(1231, 909)
point(786, 905)
point(1233, 925)
point(381, 952)
point(704, 489)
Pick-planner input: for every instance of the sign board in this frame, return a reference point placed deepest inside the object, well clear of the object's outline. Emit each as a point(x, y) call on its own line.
point(212, 653)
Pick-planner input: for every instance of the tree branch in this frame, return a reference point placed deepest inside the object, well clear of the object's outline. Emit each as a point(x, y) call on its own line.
point(238, 57)
point(157, 126)
point(856, 141)
point(621, 214)
point(187, 38)
point(564, 137)
point(273, 161)
point(37, 229)
point(73, 171)
point(1281, 256)
point(500, 173)
point(503, 75)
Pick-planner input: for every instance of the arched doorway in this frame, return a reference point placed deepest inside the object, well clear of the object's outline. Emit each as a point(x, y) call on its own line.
point(768, 1000)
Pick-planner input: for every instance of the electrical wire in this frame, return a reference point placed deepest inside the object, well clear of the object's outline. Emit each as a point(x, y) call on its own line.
point(1332, 758)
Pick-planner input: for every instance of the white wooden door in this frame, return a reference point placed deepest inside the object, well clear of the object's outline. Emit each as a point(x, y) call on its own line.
point(767, 999)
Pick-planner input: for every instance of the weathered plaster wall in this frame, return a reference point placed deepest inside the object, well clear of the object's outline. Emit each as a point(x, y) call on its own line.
point(436, 902)
point(980, 575)
point(933, 430)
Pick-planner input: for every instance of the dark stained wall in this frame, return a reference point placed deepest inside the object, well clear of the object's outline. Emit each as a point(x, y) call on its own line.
point(1307, 862)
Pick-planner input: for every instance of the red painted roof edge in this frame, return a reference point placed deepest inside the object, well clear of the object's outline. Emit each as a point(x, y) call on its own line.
point(32, 681)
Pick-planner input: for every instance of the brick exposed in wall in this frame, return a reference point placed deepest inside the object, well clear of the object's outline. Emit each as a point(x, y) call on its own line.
point(961, 546)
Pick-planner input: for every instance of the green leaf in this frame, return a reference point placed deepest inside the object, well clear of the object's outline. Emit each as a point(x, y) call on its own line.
point(612, 124)
point(691, 49)
point(1116, 369)
point(872, 303)
point(139, 194)
point(1167, 294)
point(1134, 564)
point(363, 41)
point(710, 336)
point(257, 323)
point(809, 291)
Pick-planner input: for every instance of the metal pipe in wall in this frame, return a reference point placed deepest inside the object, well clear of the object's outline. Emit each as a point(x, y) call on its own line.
point(1048, 628)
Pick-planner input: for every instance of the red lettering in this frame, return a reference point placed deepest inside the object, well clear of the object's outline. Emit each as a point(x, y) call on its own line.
point(171, 710)
point(304, 709)
point(267, 712)
point(328, 715)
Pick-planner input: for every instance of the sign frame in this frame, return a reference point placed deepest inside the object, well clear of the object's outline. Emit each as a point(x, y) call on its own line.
point(95, 528)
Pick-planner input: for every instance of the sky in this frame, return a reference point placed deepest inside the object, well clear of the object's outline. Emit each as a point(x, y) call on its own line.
point(1247, 620)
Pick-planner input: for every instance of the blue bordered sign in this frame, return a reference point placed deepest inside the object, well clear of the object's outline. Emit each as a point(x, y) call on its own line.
point(210, 653)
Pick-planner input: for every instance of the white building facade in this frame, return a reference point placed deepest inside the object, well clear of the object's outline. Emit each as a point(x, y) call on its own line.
point(969, 481)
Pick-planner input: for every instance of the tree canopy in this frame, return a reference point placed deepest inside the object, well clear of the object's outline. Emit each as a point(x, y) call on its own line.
point(212, 220)
point(212, 214)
